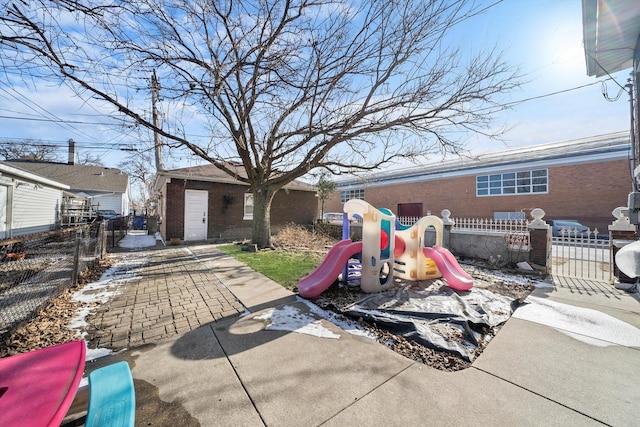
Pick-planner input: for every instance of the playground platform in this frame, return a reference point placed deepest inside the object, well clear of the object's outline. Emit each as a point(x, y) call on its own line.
point(226, 369)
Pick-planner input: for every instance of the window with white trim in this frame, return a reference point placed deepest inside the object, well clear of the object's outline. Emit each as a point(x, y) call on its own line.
point(248, 206)
point(346, 195)
point(512, 183)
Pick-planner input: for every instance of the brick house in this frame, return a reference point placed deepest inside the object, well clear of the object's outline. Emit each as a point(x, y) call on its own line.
point(204, 203)
point(581, 179)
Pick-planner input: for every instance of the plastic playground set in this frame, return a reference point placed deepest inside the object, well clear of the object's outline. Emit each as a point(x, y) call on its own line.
point(387, 250)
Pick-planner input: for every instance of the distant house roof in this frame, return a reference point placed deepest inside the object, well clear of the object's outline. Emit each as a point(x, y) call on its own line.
point(7, 169)
point(610, 32)
point(78, 177)
point(211, 173)
point(585, 150)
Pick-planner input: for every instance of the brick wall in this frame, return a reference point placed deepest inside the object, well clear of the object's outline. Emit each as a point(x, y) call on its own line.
point(226, 209)
point(298, 207)
point(586, 192)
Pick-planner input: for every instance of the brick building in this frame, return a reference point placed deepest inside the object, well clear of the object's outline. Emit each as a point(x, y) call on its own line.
point(204, 203)
point(581, 179)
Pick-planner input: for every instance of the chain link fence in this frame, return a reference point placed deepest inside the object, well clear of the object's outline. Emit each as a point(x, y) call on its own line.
point(35, 269)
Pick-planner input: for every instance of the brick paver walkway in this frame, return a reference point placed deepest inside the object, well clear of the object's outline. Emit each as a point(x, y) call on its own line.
point(162, 293)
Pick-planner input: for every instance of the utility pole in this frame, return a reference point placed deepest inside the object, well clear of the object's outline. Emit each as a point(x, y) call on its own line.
point(632, 134)
point(155, 89)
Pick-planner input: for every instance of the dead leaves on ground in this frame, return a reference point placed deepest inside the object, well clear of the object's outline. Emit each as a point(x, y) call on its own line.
point(50, 325)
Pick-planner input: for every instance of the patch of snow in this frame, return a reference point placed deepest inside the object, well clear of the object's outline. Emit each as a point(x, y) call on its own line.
point(100, 292)
point(79, 322)
point(125, 268)
point(343, 322)
point(586, 325)
point(288, 318)
point(540, 284)
point(136, 241)
point(524, 266)
point(507, 278)
point(96, 292)
point(95, 353)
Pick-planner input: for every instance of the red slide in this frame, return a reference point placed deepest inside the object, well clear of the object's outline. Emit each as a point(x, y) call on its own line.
point(455, 276)
point(326, 273)
point(452, 260)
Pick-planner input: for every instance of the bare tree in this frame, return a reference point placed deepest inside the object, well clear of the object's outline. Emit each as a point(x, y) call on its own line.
point(325, 188)
point(29, 149)
point(86, 158)
point(140, 169)
point(283, 87)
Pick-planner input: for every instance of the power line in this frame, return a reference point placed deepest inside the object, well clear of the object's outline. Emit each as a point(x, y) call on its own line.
point(76, 122)
point(493, 107)
point(509, 104)
point(39, 109)
point(63, 144)
point(63, 123)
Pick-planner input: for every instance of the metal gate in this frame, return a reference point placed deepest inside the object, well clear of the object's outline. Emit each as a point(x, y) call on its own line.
point(583, 255)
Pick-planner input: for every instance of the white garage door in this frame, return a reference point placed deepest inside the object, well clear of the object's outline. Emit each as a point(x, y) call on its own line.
point(195, 214)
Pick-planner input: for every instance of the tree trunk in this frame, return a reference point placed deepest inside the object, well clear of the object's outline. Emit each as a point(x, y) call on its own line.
point(261, 231)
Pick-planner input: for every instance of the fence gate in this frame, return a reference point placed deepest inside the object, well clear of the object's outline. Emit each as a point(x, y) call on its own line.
point(582, 255)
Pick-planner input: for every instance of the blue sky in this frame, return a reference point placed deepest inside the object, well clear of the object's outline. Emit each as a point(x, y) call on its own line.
point(545, 38)
point(542, 37)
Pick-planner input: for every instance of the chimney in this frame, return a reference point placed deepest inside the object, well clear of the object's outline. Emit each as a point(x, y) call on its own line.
point(72, 152)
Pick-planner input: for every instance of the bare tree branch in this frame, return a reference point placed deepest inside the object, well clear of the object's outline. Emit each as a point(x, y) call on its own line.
point(283, 87)
point(28, 150)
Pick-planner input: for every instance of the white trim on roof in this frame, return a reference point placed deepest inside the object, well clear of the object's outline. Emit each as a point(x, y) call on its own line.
point(19, 173)
point(167, 176)
point(587, 150)
point(194, 177)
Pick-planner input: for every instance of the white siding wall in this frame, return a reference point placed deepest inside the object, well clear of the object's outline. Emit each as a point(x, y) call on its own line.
point(126, 203)
point(112, 201)
point(36, 208)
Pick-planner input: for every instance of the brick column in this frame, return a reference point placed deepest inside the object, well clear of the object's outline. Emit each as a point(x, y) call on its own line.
point(621, 230)
point(540, 240)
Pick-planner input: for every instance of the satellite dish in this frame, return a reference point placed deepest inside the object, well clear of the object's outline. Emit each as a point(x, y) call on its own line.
point(628, 259)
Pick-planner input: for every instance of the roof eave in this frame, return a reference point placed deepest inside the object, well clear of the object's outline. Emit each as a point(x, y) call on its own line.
point(610, 35)
point(589, 27)
point(163, 175)
point(21, 173)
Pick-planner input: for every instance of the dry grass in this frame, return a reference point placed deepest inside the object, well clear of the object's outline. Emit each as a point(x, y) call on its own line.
point(297, 238)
